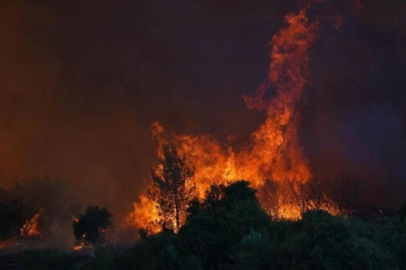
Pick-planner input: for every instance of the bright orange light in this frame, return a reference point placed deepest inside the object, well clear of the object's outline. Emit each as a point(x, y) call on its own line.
point(273, 154)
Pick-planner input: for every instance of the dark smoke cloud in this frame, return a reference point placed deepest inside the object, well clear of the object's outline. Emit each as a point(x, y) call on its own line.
point(82, 80)
point(355, 115)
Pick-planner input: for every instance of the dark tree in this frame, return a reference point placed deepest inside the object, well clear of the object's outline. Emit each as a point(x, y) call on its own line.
point(194, 208)
point(240, 191)
point(213, 199)
point(227, 216)
point(12, 218)
point(172, 189)
point(223, 196)
point(90, 227)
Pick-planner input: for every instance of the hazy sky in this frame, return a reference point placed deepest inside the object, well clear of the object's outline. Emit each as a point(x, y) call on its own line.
point(81, 81)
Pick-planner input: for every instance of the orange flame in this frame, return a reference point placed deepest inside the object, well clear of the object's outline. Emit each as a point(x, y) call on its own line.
point(145, 215)
point(273, 155)
point(31, 226)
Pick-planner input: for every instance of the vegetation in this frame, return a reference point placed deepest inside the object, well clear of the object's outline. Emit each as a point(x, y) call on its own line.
point(229, 230)
point(402, 212)
point(51, 201)
point(90, 227)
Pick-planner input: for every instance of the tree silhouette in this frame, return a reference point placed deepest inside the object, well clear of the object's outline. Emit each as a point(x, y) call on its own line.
point(239, 191)
point(172, 190)
point(89, 228)
point(223, 196)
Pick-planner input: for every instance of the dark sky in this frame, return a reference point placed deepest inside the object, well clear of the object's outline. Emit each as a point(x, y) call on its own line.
point(81, 81)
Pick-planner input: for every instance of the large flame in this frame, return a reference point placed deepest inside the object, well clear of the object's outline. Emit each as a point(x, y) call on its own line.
point(145, 215)
point(272, 159)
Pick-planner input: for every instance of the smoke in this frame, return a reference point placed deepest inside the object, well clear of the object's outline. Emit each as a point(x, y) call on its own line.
point(50, 129)
point(354, 122)
point(82, 81)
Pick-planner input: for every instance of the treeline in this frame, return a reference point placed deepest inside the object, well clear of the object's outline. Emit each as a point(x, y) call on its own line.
point(229, 230)
point(41, 212)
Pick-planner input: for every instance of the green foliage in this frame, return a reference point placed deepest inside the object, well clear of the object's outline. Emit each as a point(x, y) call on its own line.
point(153, 252)
point(390, 233)
point(322, 241)
point(211, 234)
point(228, 230)
point(223, 196)
point(89, 228)
point(402, 212)
point(238, 192)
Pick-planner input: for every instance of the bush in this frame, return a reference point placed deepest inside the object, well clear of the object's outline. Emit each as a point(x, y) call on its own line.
point(152, 252)
point(322, 241)
point(89, 228)
point(212, 234)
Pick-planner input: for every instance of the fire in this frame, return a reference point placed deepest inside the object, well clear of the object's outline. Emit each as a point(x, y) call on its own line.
point(31, 226)
point(273, 156)
point(145, 215)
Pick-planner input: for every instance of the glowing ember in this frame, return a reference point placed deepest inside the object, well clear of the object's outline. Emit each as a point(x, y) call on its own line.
point(80, 245)
point(273, 157)
point(31, 226)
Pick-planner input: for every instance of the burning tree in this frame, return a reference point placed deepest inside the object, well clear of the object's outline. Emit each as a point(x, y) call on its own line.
point(272, 160)
point(172, 190)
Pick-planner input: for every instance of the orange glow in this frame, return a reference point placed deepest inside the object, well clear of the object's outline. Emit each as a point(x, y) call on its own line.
point(273, 156)
point(8, 243)
point(144, 216)
point(31, 226)
point(80, 245)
